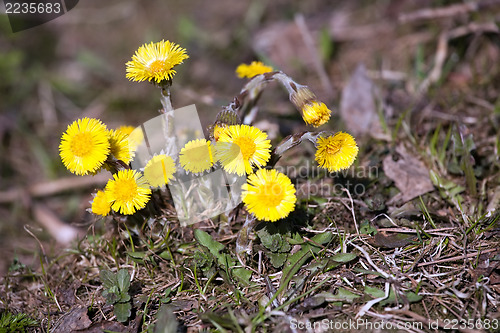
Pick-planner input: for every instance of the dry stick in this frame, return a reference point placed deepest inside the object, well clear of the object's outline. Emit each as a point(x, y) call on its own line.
point(411, 231)
point(371, 303)
point(449, 11)
point(62, 232)
point(470, 255)
point(309, 43)
point(52, 187)
point(440, 57)
point(352, 210)
point(442, 48)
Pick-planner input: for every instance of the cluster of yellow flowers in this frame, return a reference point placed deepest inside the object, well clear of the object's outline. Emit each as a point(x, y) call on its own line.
point(87, 146)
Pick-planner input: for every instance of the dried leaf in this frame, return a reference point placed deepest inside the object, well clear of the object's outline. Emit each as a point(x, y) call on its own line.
point(391, 241)
point(76, 319)
point(410, 175)
point(358, 107)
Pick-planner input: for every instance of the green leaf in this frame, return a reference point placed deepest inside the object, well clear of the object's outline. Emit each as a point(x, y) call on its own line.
point(343, 257)
point(137, 254)
point(165, 320)
point(112, 295)
point(277, 259)
point(377, 293)
point(297, 260)
point(123, 278)
point(124, 297)
point(367, 229)
point(343, 295)
point(275, 238)
point(122, 311)
point(204, 239)
point(108, 278)
point(242, 274)
point(223, 259)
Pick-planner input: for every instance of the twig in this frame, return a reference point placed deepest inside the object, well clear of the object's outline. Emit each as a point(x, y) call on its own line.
point(26, 228)
point(411, 231)
point(367, 257)
point(62, 232)
point(371, 303)
point(439, 58)
point(52, 187)
point(352, 210)
point(449, 11)
point(309, 43)
point(470, 255)
point(442, 48)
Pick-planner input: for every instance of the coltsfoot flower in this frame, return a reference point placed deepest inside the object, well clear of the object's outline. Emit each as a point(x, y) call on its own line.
point(159, 170)
point(126, 129)
point(196, 156)
point(155, 62)
point(100, 204)
point(315, 113)
point(84, 146)
point(240, 147)
point(269, 195)
point(254, 69)
point(127, 192)
point(217, 131)
point(120, 146)
point(336, 152)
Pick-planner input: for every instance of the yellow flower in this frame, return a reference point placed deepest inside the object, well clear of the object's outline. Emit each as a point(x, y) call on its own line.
point(336, 152)
point(126, 129)
point(155, 62)
point(240, 147)
point(120, 146)
point(269, 195)
point(127, 192)
point(315, 113)
point(196, 156)
point(84, 146)
point(159, 170)
point(254, 69)
point(100, 204)
point(218, 129)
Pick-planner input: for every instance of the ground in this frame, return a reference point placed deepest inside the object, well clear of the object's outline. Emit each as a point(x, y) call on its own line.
point(406, 239)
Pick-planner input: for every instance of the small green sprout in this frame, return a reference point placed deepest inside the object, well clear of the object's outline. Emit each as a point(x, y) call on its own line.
point(116, 292)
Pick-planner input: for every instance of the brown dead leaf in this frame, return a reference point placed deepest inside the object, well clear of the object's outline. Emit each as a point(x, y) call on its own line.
point(391, 241)
point(409, 174)
point(74, 320)
point(112, 326)
point(358, 107)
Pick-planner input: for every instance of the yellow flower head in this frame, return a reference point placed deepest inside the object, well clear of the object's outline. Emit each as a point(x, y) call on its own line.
point(196, 156)
point(125, 129)
point(315, 113)
point(155, 62)
point(120, 146)
point(127, 192)
point(100, 204)
point(254, 69)
point(159, 170)
point(240, 147)
point(336, 152)
point(269, 195)
point(218, 129)
point(84, 146)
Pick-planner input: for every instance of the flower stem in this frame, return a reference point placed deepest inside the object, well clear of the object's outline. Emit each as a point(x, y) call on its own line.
point(244, 242)
point(165, 99)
